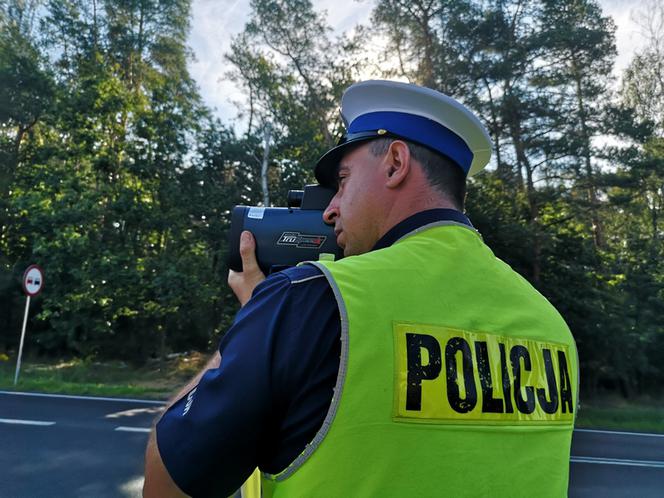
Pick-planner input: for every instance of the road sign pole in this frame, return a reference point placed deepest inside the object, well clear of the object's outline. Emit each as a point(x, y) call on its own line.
point(20, 348)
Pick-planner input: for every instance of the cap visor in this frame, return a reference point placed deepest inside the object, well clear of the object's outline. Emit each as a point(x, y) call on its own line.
point(327, 166)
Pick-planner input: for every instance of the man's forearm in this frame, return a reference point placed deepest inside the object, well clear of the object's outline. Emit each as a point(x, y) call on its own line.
point(158, 482)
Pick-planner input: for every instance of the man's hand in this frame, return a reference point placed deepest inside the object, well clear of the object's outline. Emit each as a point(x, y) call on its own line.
point(243, 283)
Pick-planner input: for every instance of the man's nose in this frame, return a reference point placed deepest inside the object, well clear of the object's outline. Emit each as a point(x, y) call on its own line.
point(331, 212)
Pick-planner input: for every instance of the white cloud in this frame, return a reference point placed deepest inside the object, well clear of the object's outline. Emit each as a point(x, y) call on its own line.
point(214, 22)
point(628, 37)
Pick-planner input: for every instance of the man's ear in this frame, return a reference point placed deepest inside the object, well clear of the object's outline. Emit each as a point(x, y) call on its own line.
point(397, 163)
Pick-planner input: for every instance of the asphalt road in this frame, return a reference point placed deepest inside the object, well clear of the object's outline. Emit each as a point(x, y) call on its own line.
point(67, 446)
point(59, 447)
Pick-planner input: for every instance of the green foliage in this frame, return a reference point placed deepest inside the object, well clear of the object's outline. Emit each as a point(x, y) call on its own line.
point(294, 76)
point(101, 197)
point(116, 179)
point(579, 220)
point(643, 416)
point(642, 86)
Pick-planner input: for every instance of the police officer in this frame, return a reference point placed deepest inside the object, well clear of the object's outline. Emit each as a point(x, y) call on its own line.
point(418, 365)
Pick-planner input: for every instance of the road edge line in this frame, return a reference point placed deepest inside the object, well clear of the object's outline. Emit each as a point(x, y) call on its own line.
point(90, 398)
point(620, 433)
point(19, 421)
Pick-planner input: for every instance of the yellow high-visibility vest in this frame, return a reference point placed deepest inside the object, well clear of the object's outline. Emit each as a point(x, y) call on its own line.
point(457, 378)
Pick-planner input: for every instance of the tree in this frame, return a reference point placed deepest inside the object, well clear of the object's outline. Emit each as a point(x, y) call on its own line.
point(432, 40)
point(636, 196)
point(26, 91)
point(102, 199)
point(643, 81)
point(581, 46)
point(294, 77)
point(534, 71)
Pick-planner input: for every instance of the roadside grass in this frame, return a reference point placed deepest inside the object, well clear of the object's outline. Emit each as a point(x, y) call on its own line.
point(155, 380)
point(160, 380)
point(614, 413)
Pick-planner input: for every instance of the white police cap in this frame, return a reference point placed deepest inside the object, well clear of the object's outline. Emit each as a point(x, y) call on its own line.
point(374, 109)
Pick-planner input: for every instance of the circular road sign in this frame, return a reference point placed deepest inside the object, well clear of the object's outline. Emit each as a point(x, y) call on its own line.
point(33, 280)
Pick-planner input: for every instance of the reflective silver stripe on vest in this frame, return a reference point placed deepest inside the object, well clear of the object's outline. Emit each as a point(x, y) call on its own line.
point(338, 388)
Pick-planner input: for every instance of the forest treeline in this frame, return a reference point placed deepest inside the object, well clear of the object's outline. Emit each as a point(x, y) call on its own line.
point(118, 181)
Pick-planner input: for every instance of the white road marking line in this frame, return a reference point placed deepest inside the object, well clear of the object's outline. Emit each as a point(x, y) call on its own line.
point(620, 433)
point(92, 398)
point(132, 429)
point(126, 414)
point(25, 422)
point(617, 461)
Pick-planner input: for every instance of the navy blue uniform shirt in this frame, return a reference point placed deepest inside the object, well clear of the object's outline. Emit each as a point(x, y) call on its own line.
point(273, 388)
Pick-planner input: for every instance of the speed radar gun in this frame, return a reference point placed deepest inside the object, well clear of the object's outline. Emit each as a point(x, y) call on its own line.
point(286, 236)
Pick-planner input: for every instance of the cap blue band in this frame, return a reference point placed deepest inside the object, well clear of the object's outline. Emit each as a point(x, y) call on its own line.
point(419, 129)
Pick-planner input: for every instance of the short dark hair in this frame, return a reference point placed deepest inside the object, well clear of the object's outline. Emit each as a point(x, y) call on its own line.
point(443, 174)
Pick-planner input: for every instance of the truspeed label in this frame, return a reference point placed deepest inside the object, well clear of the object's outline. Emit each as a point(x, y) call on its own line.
point(301, 240)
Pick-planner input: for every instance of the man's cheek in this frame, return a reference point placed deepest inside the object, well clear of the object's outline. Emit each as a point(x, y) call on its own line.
point(341, 240)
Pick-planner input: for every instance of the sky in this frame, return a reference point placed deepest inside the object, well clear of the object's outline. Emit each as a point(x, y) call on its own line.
point(214, 22)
